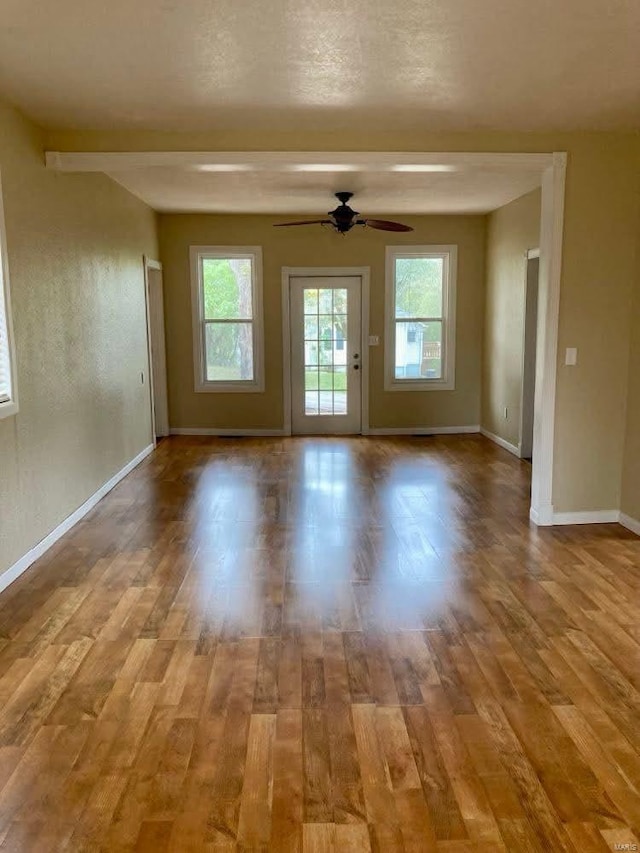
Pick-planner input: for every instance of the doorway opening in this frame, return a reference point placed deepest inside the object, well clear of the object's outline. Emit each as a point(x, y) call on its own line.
point(156, 348)
point(529, 349)
point(325, 324)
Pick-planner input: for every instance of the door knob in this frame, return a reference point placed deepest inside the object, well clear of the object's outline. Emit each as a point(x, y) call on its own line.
point(356, 367)
point(356, 355)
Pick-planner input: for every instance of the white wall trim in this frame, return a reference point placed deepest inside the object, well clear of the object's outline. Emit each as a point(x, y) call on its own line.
point(532, 253)
point(364, 351)
point(542, 516)
point(501, 442)
point(422, 430)
point(14, 571)
point(418, 430)
point(226, 432)
point(534, 517)
point(364, 273)
point(602, 516)
point(117, 161)
point(630, 523)
point(551, 235)
point(9, 407)
point(286, 352)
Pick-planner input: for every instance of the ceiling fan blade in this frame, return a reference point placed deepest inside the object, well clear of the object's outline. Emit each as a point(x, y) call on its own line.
point(303, 222)
point(384, 225)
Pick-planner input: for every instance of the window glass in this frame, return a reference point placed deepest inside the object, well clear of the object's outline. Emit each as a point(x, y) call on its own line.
point(226, 296)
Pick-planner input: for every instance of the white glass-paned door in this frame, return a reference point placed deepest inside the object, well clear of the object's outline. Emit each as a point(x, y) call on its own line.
point(325, 354)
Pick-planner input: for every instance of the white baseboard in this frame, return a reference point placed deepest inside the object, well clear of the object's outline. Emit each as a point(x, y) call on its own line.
point(14, 571)
point(546, 517)
point(630, 523)
point(444, 430)
point(542, 516)
point(230, 433)
point(602, 516)
point(501, 442)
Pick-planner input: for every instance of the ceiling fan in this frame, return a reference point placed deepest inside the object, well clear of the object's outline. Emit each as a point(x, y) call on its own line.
point(343, 218)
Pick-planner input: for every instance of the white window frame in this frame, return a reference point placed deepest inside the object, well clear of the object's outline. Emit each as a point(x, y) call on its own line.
point(9, 406)
point(202, 384)
point(449, 254)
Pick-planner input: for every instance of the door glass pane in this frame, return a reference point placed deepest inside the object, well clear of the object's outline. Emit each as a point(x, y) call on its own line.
point(339, 339)
point(311, 403)
point(310, 301)
point(339, 301)
point(311, 379)
point(419, 287)
point(418, 350)
point(325, 326)
point(311, 328)
point(339, 390)
point(226, 287)
point(339, 402)
point(310, 352)
point(229, 351)
point(325, 354)
point(339, 378)
point(325, 296)
point(325, 351)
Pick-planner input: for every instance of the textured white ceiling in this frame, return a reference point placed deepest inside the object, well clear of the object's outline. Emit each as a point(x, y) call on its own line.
point(193, 65)
point(469, 189)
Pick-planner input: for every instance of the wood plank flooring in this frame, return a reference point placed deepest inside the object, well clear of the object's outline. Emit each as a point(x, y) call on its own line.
point(323, 645)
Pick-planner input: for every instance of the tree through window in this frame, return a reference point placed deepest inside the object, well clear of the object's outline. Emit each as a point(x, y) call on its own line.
point(227, 297)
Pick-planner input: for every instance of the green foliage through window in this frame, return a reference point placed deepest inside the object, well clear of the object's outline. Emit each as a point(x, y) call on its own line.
point(418, 287)
point(228, 297)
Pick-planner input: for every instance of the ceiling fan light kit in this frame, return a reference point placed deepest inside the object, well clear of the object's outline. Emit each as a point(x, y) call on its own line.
point(343, 218)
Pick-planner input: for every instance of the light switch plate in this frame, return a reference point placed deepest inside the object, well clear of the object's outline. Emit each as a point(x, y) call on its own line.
point(571, 356)
point(374, 340)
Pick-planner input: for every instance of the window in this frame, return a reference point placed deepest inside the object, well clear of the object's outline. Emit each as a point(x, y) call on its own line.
point(8, 392)
point(226, 291)
point(420, 318)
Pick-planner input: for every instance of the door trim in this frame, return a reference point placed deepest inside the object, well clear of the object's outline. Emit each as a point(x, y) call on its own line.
point(364, 274)
point(150, 264)
point(529, 255)
point(544, 412)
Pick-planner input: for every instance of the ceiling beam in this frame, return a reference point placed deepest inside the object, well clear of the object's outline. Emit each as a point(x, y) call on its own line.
point(401, 161)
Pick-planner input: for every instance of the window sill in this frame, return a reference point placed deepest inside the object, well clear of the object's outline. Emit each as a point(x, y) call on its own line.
point(8, 409)
point(229, 388)
point(420, 385)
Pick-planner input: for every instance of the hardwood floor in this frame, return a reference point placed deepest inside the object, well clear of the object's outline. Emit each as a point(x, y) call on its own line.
point(323, 644)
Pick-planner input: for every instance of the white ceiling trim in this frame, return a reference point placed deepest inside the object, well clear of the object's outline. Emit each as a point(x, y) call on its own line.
point(120, 161)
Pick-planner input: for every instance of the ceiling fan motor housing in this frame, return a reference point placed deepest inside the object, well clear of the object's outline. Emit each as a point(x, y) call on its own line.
point(343, 216)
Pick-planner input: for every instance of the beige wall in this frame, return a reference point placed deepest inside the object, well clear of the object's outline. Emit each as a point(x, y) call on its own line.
point(75, 246)
point(511, 230)
point(313, 247)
